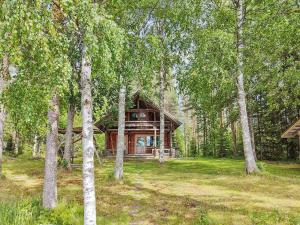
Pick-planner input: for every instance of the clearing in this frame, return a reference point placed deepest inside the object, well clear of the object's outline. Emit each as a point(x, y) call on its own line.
point(181, 191)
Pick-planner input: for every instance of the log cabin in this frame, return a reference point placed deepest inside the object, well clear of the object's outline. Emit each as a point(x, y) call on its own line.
point(142, 125)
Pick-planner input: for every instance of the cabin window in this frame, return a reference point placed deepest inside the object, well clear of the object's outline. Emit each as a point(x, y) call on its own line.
point(142, 116)
point(157, 141)
point(150, 141)
point(142, 105)
point(157, 115)
point(151, 116)
point(133, 116)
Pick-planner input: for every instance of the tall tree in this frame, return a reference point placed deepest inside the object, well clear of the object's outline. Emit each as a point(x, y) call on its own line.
point(88, 147)
point(3, 78)
point(162, 114)
point(248, 151)
point(69, 134)
point(36, 151)
point(50, 185)
point(121, 129)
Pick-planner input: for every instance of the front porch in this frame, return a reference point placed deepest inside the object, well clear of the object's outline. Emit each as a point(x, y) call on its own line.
point(169, 153)
point(140, 143)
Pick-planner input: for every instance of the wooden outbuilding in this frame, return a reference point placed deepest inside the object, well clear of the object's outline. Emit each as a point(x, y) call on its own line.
point(293, 132)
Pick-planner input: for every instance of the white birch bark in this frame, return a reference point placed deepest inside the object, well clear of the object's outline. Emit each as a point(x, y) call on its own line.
point(16, 140)
point(87, 141)
point(162, 115)
point(3, 78)
point(50, 185)
point(69, 135)
point(121, 133)
point(248, 152)
point(252, 136)
point(36, 147)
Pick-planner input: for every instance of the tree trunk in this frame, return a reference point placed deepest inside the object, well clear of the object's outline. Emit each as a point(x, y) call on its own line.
point(162, 115)
point(69, 135)
point(87, 141)
point(252, 136)
point(3, 78)
point(50, 186)
point(36, 147)
point(248, 152)
point(121, 134)
point(16, 141)
point(234, 138)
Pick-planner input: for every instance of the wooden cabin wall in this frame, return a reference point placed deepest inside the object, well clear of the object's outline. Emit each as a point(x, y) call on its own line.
point(111, 139)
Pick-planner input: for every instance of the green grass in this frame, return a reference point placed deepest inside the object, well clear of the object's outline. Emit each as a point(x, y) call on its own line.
point(185, 191)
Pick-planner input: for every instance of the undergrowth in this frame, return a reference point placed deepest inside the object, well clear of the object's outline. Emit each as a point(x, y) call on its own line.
point(31, 212)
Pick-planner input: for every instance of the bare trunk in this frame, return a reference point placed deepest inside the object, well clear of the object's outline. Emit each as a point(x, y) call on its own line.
point(234, 138)
point(87, 141)
point(36, 147)
point(121, 130)
point(3, 78)
point(162, 115)
point(50, 186)
point(69, 135)
point(248, 152)
point(16, 141)
point(252, 136)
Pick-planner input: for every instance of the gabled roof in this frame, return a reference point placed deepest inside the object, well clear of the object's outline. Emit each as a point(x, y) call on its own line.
point(111, 119)
point(154, 106)
point(292, 131)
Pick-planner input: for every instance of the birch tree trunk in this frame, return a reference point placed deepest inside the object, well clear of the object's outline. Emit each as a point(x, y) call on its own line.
point(248, 152)
point(121, 134)
point(50, 186)
point(162, 115)
point(3, 78)
point(87, 141)
point(252, 136)
point(69, 135)
point(16, 140)
point(234, 137)
point(36, 147)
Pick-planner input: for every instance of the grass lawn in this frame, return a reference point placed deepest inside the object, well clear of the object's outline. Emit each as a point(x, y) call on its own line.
point(185, 191)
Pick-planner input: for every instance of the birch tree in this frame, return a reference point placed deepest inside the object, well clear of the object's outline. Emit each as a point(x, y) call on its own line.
point(248, 151)
point(50, 185)
point(88, 147)
point(121, 129)
point(69, 134)
point(3, 78)
point(36, 151)
point(162, 114)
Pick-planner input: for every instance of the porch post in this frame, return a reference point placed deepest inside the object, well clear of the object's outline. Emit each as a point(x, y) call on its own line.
point(298, 133)
point(172, 151)
point(106, 140)
point(155, 150)
point(171, 141)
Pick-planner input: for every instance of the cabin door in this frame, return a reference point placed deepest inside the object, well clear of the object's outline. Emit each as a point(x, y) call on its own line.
point(140, 144)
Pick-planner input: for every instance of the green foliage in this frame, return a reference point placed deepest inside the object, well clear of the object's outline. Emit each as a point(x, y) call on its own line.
point(271, 52)
point(203, 218)
point(179, 139)
point(63, 163)
point(272, 217)
point(30, 211)
point(261, 166)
